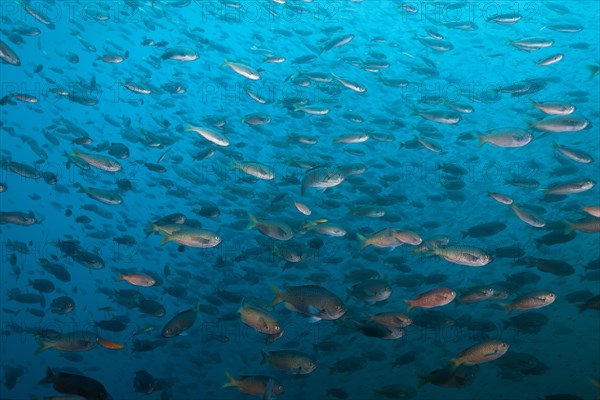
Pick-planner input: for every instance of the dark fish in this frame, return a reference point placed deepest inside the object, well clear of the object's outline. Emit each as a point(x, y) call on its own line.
point(152, 307)
point(26, 298)
point(144, 382)
point(57, 270)
point(348, 365)
point(530, 322)
point(578, 296)
point(17, 218)
point(113, 325)
point(12, 375)
point(593, 303)
point(140, 346)
point(555, 267)
point(484, 230)
point(520, 279)
point(448, 377)
point(180, 323)
point(515, 366)
point(405, 358)
point(509, 252)
point(42, 285)
point(118, 150)
point(62, 305)
point(81, 385)
point(555, 237)
point(337, 393)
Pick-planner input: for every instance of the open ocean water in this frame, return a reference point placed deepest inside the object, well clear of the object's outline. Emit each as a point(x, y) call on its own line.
point(296, 199)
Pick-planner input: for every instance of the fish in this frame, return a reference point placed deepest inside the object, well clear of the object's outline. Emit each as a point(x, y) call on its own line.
point(110, 197)
point(573, 154)
point(484, 230)
point(529, 217)
point(449, 377)
point(560, 123)
point(144, 382)
point(370, 291)
point(437, 297)
point(593, 303)
point(391, 319)
point(290, 361)
point(181, 54)
point(255, 169)
point(62, 305)
point(243, 70)
point(479, 353)
point(211, 135)
point(79, 385)
point(553, 108)
point(322, 177)
point(180, 323)
point(199, 238)
point(274, 229)
point(17, 218)
point(8, 56)
point(506, 137)
point(338, 41)
point(72, 341)
point(532, 43)
point(260, 320)
point(254, 385)
point(382, 239)
point(313, 301)
point(142, 280)
point(578, 186)
point(585, 225)
point(101, 162)
point(462, 255)
point(529, 301)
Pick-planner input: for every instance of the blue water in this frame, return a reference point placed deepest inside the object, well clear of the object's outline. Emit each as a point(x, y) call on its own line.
point(435, 187)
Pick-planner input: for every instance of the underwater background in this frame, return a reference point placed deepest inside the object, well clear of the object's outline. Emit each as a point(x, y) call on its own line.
point(171, 167)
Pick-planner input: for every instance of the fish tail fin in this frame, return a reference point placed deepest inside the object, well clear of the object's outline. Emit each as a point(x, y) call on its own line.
point(253, 221)
point(455, 363)
point(507, 308)
point(166, 238)
point(225, 62)
point(410, 305)
point(44, 345)
point(75, 152)
point(482, 139)
point(423, 380)
point(464, 234)
point(231, 381)
point(279, 295)
point(120, 277)
point(533, 104)
point(364, 242)
point(348, 294)
point(265, 357)
point(150, 228)
point(568, 226)
point(80, 188)
point(581, 307)
point(593, 71)
point(234, 164)
point(49, 378)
